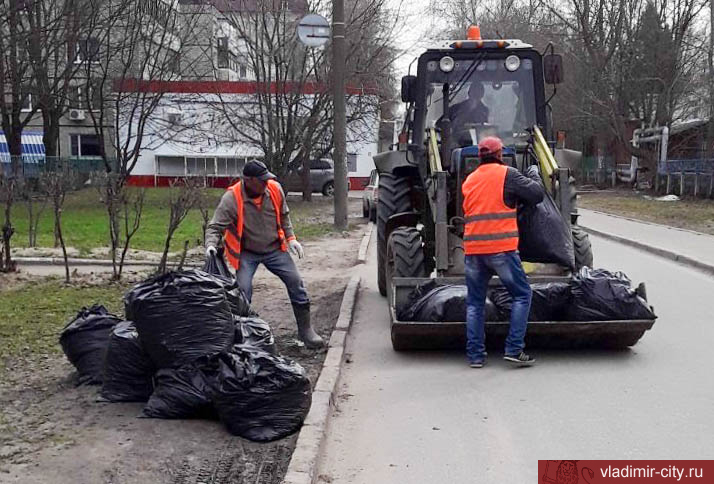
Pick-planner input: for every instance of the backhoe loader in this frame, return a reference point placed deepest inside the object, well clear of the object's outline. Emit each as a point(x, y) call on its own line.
point(419, 211)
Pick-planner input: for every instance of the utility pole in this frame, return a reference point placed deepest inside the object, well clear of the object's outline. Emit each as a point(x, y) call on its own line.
point(339, 130)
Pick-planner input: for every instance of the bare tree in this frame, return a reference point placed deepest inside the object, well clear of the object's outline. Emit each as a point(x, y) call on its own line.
point(35, 202)
point(56, 183)
point(289, 116)
point(129, 76)
point(184, 195)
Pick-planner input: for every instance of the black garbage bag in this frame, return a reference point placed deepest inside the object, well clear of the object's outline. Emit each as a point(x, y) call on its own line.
point(257, 395)
point(543, 234)
point(549, 302)
point(84, 340)
point(440, 302)
point(128, 371)
point(181, 316)
point(216, 266)
point(600, 295)
point(180, 393)
point(255, 332)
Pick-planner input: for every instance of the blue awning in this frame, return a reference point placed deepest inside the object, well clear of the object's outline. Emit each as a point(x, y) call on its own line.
point(33, 149)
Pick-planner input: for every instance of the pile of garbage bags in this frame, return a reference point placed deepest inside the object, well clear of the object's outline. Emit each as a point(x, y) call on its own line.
point(191, 348)
point(590, 295)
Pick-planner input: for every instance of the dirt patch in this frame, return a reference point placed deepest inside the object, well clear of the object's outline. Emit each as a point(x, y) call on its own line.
point(52, 431)
point(688, 214)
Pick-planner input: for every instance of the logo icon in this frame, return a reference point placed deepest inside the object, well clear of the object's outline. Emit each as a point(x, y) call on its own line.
point(565, 472)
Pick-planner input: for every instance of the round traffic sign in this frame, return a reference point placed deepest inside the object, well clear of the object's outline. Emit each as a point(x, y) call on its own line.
point(313, 30)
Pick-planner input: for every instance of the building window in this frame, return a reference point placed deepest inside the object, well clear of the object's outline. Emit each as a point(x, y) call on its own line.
point(223, 55)
point(171, 165)
point(351, 159)
point(83, 145)
point(86, 50)
point(85, 96)
point(243, 72)
point(26, 102)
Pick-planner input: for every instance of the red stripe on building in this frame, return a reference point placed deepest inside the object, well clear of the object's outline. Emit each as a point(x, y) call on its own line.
point(233, 87)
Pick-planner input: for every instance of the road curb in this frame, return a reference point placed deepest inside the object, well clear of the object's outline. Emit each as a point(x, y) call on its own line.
point(667, 254)
point(646, 222)
point(306, 458)
point(59, 261)
point(364, 245)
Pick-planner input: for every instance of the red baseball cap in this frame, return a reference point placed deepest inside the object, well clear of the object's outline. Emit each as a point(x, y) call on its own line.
point(490, 147)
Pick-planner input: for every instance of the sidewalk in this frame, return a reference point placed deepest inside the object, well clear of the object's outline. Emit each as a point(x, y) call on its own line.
point(685, 246)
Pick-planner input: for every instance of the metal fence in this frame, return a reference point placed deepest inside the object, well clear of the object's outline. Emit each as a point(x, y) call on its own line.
point(701, 165)
point(33, 166)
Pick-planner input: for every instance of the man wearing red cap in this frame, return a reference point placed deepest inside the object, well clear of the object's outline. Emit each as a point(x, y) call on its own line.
point(491, 195)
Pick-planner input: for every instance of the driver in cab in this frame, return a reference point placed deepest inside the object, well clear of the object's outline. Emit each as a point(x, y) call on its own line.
point(472, 110)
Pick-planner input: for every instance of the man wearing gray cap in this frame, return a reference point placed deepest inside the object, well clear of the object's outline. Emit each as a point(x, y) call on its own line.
point(253, 222)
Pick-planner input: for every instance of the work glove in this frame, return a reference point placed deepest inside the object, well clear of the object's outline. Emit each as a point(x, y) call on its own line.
point(211, 251)
point(296, 248)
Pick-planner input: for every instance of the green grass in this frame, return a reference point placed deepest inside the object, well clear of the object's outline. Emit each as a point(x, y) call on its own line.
point(33, 315)
point(84, 222)
point(687, 214)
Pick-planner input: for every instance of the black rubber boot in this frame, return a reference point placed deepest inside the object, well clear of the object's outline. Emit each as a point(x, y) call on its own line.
point(305, 332)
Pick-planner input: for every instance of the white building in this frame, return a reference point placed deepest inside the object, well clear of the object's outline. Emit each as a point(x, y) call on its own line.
point(188, 135)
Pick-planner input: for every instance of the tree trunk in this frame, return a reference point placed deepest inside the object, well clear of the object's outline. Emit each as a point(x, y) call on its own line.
point(58, 230)
point(165, 255)
point(710, 60)
point(305, 175)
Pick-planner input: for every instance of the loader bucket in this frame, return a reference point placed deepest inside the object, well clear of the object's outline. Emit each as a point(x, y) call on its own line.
point(422, 335)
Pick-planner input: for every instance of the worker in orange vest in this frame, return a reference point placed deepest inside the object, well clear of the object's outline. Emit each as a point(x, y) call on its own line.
point(491, 195)
point(253, 222)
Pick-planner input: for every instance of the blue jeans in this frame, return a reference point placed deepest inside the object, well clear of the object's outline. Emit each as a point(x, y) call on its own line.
point(279, 263)
point(479, 269)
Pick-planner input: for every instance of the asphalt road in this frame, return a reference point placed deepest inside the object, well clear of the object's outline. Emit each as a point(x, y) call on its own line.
point(427, 418)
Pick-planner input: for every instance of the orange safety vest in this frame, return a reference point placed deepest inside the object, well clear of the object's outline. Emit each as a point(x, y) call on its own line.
point(234, 233)
point(490, 225)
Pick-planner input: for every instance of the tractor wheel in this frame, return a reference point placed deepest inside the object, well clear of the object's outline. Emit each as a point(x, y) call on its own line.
point(394, 197)
point(405, 254)
point(582, 247)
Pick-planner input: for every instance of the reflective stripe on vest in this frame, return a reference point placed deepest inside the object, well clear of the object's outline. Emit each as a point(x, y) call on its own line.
point(490, 225)
point(234, 233)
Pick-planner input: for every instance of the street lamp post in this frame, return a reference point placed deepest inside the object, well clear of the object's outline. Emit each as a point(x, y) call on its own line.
point(340, 115)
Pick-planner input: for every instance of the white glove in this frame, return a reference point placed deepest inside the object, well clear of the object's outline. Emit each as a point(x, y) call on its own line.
point(210, 251)
point(296, 248)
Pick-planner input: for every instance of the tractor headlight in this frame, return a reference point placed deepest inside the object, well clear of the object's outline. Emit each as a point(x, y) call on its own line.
point(513, 62)
point(446, 64)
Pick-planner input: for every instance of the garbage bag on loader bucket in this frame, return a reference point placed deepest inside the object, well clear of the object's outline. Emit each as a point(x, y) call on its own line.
point(549, 302)
point(84, 340)
point(181, 316)
point(128, 371)
point(257, 395)
point(438, 302)
point(600, 295)
point(543, 234)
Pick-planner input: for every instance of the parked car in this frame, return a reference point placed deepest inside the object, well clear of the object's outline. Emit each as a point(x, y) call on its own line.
point(322, 177)
point(369, 197)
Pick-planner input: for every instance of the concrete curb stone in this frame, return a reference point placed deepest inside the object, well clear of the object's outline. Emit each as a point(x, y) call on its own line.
point(305, 460)
point(364, 245)
point(667, 254)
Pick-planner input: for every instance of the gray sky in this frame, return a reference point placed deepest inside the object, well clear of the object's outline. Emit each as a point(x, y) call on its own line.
point(414, 32)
